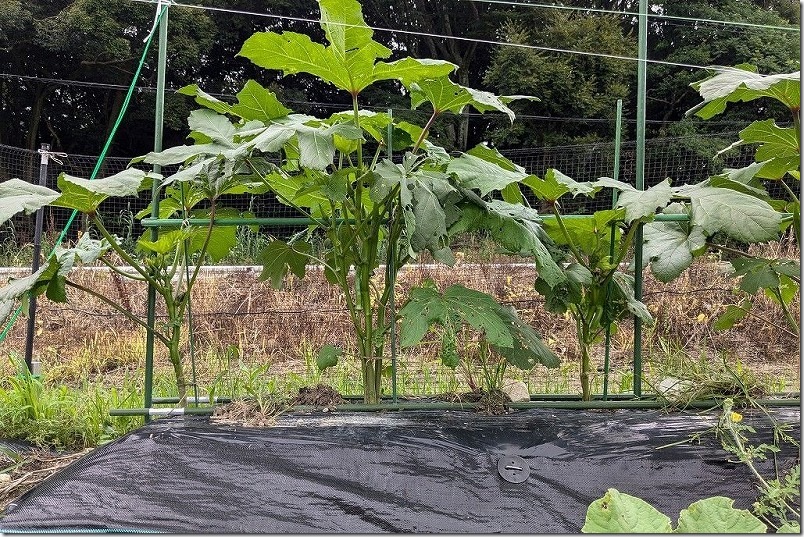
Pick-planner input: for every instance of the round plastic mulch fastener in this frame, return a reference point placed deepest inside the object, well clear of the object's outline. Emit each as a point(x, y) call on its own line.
point(513, 469)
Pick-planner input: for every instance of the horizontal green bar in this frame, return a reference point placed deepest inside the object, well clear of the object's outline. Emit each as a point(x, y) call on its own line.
point(176, 222)
point(301, 221)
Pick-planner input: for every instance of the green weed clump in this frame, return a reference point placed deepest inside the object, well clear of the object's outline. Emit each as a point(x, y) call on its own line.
point(61, 417)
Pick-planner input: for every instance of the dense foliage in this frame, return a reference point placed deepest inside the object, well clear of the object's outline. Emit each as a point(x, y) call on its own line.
point(49, 50)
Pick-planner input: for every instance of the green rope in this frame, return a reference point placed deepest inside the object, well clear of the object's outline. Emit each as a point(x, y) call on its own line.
point(101, 158)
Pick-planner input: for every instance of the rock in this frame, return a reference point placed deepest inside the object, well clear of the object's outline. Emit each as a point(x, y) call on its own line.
point(516, 390)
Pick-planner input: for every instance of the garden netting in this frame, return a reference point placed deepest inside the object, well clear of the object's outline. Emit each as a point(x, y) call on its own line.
point(422, 471)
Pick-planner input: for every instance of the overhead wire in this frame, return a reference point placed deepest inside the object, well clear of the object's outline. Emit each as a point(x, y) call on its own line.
point(228, 96)
point(635, 14)
point(441, 36)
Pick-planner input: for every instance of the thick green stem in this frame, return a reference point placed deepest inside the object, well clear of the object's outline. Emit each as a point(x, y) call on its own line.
point(575, 253)
point(792, 321)
point(174, 351)
point(120, 251)
point(586, 361)
point(356, 110)
point(426, 129)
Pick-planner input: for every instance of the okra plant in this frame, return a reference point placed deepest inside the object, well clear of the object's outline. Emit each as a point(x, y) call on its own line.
point(370, 208)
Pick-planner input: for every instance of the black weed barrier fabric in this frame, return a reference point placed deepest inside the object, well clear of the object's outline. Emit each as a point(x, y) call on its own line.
point(393, 472)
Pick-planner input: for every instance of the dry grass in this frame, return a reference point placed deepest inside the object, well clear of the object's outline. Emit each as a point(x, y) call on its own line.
point(19, 475)
point(239, 320)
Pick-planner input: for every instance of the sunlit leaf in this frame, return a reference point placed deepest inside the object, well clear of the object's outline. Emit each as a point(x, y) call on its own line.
point(617, 512)
point(18, 196)
point(718, 515)
point(256, 102)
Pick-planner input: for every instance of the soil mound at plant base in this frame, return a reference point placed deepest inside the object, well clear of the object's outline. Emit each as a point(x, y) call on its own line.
point(319, 395)
point(532, 471)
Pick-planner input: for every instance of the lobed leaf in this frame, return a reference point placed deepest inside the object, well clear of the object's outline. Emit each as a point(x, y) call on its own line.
point(18, 196)
point(743, 83)
point(718, 515)
point(617, 512)
point(293, 53)
point(279, 258)
point(446, 96)
point(639, 204)
point(254, 102)
point(741, 216)
point(86, 195)
point(555, 184)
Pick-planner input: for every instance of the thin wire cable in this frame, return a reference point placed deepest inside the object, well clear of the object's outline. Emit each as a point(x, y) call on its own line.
point(440, 36)
point(635, 14)
point(151, 89)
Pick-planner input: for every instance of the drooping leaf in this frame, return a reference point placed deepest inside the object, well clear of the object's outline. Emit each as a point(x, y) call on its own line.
point(17, 196)
point(256, 102)
point(204, 99)
point(516, 228)
point(423, 196)
point(279, 258)
point(624, 286)
point(670, 247)
point(617, 512)
point(483, 175)
point(741, 216)
point(499, 324)
point(734, 84)
point(718, 515)
point(216, 127)
point(328, 357)
point(85, 196)
point(639, 203)
point(528, 348)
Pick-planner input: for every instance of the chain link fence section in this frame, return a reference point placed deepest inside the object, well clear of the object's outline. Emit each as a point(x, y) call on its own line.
point(682, 159)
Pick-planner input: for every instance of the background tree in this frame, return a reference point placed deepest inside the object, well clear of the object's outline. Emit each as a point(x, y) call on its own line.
point(92, 42)
point(569, 86)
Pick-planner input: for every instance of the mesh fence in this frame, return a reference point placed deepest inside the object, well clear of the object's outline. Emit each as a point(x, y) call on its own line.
point(681, 159)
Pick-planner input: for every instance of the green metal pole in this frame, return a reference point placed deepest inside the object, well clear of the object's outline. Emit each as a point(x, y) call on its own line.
point(159, 117)
point(392, 267)
point(640, 184)
point(617, 143)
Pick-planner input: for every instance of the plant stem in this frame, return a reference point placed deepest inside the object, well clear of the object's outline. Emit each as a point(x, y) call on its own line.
point(120, 251)
point(122, 273)
point(356, 110)
point(575, 253)
point(426, 129)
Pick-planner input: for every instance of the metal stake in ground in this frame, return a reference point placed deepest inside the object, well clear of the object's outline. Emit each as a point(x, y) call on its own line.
point(44, 151)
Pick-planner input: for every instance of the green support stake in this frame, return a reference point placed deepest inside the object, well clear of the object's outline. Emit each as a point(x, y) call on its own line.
point(617, 144)
point(158, 127)
point(640, 184)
